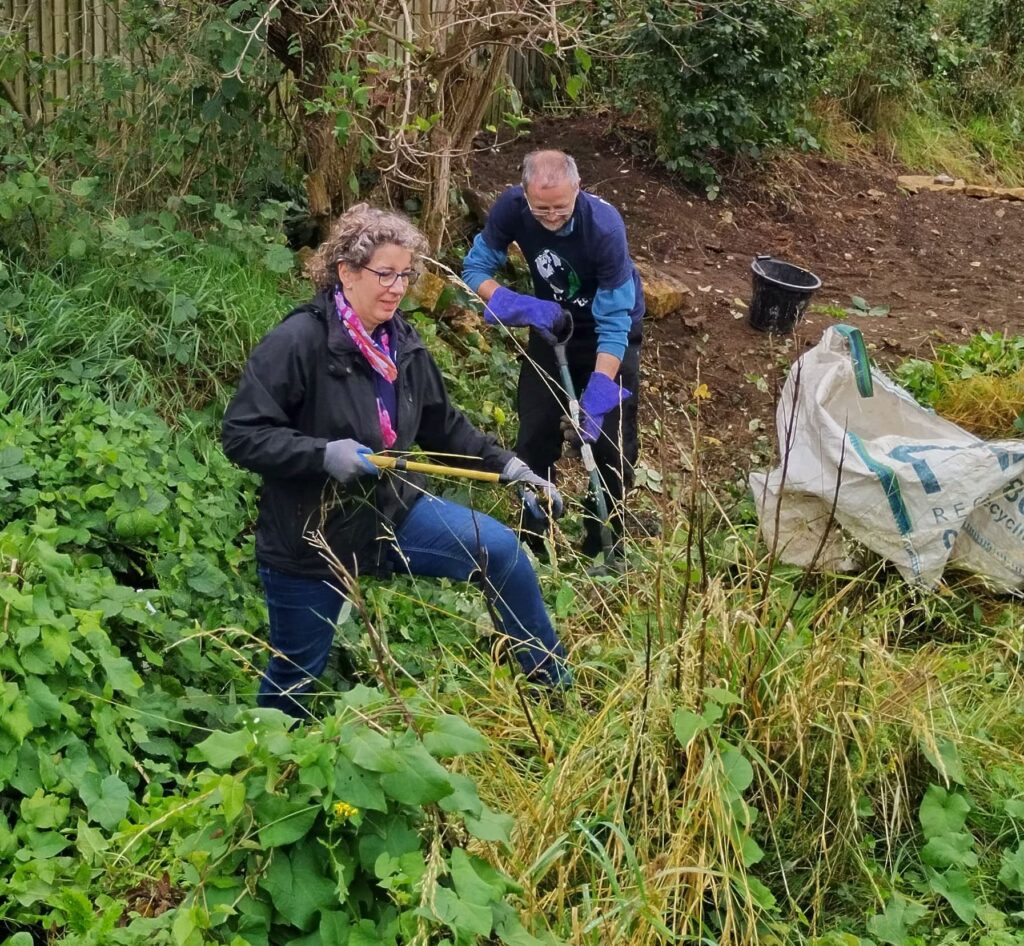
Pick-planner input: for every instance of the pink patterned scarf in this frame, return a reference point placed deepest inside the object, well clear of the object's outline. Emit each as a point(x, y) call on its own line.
point(378, 356)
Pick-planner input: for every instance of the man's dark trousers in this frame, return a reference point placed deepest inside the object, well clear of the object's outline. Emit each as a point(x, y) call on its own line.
point(542, 404)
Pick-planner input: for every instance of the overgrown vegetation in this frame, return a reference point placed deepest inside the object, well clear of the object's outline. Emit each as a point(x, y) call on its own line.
point(979, 385)
point(752, 754)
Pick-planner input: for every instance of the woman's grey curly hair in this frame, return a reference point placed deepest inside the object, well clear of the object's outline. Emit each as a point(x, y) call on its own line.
point(354, 237)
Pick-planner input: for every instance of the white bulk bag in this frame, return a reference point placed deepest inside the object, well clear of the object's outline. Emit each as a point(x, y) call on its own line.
point(915, 488)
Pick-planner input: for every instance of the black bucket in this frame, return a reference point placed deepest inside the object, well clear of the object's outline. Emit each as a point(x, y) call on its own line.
point(781, 294)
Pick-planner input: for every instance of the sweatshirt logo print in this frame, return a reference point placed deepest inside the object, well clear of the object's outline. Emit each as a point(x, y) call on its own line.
point(559, 275)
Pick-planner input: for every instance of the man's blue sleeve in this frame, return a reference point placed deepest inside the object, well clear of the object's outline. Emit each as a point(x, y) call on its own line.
point(611, 309)
point(481, 263)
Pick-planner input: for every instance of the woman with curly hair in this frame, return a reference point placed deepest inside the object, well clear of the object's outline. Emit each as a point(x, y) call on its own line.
point(341, 377)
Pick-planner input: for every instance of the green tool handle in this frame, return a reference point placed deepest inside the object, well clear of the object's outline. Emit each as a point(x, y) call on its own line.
point(586, 451)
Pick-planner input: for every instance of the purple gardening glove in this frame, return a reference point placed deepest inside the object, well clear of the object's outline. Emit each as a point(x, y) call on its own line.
point(600, 396)
point(515, 310)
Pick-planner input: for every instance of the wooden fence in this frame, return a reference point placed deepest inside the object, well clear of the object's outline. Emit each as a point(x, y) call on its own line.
point(65, 41)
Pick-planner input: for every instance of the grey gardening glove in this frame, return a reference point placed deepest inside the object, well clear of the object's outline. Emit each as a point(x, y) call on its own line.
point(519, 472)
point(346, 459)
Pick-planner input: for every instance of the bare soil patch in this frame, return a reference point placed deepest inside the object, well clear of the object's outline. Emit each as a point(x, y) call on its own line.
point(946, 265)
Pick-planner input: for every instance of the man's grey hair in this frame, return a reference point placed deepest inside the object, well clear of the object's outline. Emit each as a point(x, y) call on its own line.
point(354, 237)
point(549, 168)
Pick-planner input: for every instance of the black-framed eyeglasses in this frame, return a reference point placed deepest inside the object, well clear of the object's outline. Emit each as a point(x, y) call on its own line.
point(388, 277)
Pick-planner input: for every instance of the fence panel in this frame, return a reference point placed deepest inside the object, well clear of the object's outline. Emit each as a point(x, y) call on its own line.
point(68, 38)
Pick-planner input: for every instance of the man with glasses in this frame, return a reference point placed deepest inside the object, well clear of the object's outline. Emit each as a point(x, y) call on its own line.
point(575, 245)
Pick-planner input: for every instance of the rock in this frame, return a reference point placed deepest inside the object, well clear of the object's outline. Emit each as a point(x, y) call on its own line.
point(426, 291)
point(1009, 193)
point(663, 293)
point(478, 203)
point(942, 179)
point(978, 190)
point(302, 255)
point(467, 323)
point(922, 182)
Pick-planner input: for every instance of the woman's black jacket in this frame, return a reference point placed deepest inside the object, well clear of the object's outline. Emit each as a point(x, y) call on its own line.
point(305, 384)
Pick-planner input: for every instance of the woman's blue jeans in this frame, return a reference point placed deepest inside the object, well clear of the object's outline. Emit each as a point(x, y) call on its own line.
point(439, 539)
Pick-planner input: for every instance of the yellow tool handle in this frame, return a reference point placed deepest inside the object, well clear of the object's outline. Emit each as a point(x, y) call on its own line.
point(433, 469)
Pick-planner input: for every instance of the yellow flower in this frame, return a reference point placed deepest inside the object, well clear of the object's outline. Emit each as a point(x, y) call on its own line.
point(701, 392)
point(343, 810)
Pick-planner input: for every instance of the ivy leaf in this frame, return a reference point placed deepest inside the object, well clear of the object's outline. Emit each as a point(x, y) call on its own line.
point(942, 813)
point(952, 887)
point(107, 800)
point(453, 736)
point(893, 926)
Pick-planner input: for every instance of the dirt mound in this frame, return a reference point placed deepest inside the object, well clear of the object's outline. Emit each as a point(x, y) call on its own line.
point(944, 264)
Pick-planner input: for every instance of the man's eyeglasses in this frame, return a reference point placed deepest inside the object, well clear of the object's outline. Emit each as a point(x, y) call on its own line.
point(556, 213)
point(388, 277)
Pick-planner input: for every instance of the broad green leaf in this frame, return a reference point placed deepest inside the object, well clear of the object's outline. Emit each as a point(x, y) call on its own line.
point(11, 466)
point(232, 796)
point(1011, 874)
point(946, 760)
point(952, 887)
point(298, 886)
point(722, 696)
point(859, 302)
point(509, 929)
point(107, 800)
point(84, 186)
point(465, 919)
point(950, 850)
point(942, 813)
point(453, 736)
point(278, 259)
point(475, 880)
point(737, 770)
point(420, 779)
point(283, 820)
point(357, 787)
point(220, 749)
point(464, 797)
point(122, 675)
point(19, 939)
point(370, 750)
point(490, 825)
point(91, 844)
point(686, 724)
point(574, 85)
point(1014, 807)
point(893, 926)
